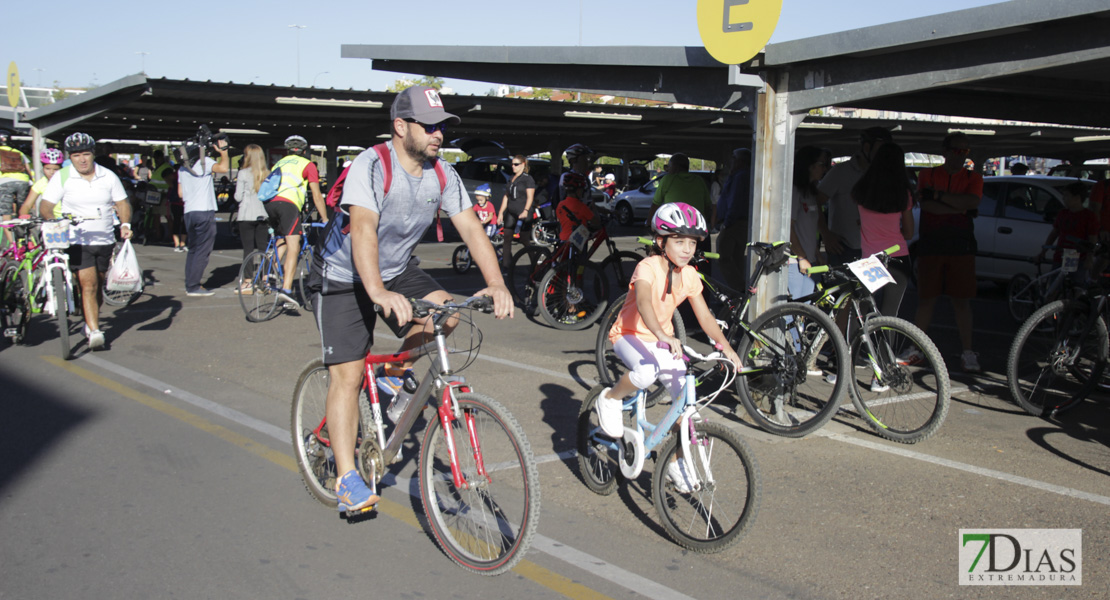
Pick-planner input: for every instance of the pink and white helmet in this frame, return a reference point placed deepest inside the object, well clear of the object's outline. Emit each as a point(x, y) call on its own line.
point(679, 218)
point(52, 156)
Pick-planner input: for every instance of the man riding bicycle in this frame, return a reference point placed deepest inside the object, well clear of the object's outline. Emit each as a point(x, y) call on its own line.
point(86, 189)
point(298, 176)
point(373, 264)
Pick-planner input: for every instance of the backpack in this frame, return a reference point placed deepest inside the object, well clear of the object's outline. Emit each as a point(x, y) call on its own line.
point(270, 186)
point(339, 227)
point(11, 161)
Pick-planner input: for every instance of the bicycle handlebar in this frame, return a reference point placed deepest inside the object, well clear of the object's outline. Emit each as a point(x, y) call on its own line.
point(818, 269)
point(422, 308)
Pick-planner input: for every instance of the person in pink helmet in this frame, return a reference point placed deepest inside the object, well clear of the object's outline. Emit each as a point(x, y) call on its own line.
point(52, 159)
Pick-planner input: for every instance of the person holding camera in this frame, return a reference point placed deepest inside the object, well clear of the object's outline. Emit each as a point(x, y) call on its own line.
point(949, 196)
point(198, 192)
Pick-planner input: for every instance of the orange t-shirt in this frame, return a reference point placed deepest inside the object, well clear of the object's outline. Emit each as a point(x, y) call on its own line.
point(686, 283)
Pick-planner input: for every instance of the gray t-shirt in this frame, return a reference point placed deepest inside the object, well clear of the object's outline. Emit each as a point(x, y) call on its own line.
point(404, 215)
point(198, 193)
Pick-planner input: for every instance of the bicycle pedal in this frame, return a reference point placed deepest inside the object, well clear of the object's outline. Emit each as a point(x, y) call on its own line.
point(11, 332)
point(351, 514)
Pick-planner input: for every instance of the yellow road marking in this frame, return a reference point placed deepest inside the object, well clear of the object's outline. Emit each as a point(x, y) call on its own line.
point(527, 569)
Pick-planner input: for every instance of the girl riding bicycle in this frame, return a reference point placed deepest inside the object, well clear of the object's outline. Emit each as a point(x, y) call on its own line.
point(659, 284)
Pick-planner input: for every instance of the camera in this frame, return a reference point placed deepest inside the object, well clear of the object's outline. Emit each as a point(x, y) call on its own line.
point(192, 152)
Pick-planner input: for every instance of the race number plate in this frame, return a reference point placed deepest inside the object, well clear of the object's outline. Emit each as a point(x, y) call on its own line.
point(55, 234)
point(871, 272)
point(153, 197)
point(1071, 261)
point(580, 236)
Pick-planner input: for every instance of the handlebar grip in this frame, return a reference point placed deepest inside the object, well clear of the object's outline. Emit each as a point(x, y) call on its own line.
point(817, 270)
point(892, 249)
point(645, 241)
point(712, 255)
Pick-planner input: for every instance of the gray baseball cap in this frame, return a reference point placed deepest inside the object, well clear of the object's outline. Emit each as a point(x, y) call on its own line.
point(423, 104)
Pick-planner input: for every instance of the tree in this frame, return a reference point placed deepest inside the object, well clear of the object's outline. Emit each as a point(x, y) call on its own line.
point(428, 80)
point(59, 93)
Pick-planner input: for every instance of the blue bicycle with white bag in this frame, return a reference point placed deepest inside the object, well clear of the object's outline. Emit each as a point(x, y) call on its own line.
point(705, 484)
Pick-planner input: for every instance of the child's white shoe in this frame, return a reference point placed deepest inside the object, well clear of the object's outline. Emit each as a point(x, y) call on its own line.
point(609, 414)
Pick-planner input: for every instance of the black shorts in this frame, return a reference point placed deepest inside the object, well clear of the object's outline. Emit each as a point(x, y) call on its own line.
point(284, 217)
point(85, 256)
point(346, 319)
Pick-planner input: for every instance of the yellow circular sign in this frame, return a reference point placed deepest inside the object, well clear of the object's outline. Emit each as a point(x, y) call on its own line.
point(13, 85)
point(734, 31)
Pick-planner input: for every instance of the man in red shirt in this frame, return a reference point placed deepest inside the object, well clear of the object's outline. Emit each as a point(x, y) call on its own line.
point(949, 196)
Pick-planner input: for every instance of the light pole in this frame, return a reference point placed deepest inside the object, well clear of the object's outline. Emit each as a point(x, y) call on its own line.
point(298, 28)
point(317, 77)
point(143, 54)
point(40, 70)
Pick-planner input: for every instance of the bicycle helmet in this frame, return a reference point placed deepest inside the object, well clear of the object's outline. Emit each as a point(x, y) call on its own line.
point(576, 150)
point(679, 218)
point(5, 137)
point(575, 185)
point(80, 142)
point(610, 177)
point(52, 156)
point(482, 190)
point(296, 143)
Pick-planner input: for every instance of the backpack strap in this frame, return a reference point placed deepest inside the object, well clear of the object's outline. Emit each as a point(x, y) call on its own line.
point(387, 171)
point(442, 176)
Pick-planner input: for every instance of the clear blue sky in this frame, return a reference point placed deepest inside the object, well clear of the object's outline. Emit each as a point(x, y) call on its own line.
point(83, 43)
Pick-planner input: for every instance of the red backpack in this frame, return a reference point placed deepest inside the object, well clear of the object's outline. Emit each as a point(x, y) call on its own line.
point(335, 192)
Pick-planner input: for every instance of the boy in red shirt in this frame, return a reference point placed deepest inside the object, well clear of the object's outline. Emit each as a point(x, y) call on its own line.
point(485, 211)
point(1074, 224)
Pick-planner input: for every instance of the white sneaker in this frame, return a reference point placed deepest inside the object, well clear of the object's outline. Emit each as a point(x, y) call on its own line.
point(609, 414)
point(96, 339)
point(969, 360)
point(677, 475)
point(831, 378)
point(877, 387)
point(911, 357)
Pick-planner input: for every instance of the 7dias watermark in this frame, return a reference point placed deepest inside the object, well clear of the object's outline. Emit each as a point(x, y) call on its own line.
point(1021, 557)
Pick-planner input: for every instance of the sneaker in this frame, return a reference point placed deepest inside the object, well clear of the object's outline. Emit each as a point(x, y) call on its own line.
point(878, 387)
point(96, 338)
point(815, 372)
point(353, 494)
point(184, 248)
point(609, 414)
point(390, 384)
point(969, 360)
point(179, 248)
point(911, 357)
point(286, 296)
point(831, 378)
point(679, 477)
point(200, 292)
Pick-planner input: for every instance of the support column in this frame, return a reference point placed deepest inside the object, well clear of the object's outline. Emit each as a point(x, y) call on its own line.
point(772, 166)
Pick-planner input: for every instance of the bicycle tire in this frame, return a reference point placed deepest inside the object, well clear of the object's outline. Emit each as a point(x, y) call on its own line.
point(545, 233)
point(610, 368)
point(259, 274)
point(522, 274)
point(573, 296)
point(460, 259)
point(304, 271)
point(717, 514)
point(598, 460)
point(916, 400)
point(619, 267)
point(1019, 297)
point(313, 453)
point(784, 399)
point(488, 526)
point(15, 308)
point(1048, 370)
point(61, 311)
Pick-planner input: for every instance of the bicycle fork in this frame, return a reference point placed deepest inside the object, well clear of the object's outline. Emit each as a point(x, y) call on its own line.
point(449, 412)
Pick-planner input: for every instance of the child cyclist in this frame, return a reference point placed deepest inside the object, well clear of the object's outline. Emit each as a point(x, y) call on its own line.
point(485, 211)
point(659, 284)
point(51, 163)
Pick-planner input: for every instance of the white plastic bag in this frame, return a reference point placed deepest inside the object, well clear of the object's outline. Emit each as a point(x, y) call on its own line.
point(125, 275)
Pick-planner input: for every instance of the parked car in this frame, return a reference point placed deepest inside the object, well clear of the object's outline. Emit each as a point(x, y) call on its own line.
point(1015, 216)
point(634, 206)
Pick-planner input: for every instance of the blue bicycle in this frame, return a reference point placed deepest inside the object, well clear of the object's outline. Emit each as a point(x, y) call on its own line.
point(262, 274)
point(705, 485)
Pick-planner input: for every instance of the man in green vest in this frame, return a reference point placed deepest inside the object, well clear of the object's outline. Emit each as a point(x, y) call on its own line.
point(298, 175)
point(15, 179)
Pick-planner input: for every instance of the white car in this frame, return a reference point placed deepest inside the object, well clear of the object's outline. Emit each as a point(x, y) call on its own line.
point(1015, 216)
point(634, 206)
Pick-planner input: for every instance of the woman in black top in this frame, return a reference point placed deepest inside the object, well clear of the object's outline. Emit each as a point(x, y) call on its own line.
point(516, 205)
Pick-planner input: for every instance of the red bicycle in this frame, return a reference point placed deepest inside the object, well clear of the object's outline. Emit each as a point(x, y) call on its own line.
point(478, 480)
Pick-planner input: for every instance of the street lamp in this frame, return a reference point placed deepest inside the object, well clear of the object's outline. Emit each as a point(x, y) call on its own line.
point(317, 77)
point(143, 54)
point(40, 70)
point(298, 28)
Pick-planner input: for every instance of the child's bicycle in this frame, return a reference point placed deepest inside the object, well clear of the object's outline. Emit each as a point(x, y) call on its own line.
point(56, 285)
point(460, 258)
point(899, 383)
point(478, 480)
point(1025, 294)
point(705, 484)
point(20, 266)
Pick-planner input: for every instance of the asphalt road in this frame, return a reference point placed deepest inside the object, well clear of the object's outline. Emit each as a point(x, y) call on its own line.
point(162, 467)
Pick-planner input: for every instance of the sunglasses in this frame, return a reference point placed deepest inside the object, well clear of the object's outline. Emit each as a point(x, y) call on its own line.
point(516, 164)
point(429, 129)
point(960, 151)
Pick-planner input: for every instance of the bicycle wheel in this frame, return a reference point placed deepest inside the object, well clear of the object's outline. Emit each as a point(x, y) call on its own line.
point(522, 273)
point(1020, 297)
point(1057, 358)
point(487, 524)
point(598, 457)
point(545, 233)
point(573, 296)
point(15, 308)
point(304, 270)
point(787, 350)
point(312, 449)
point(259, 281)
point(722, 505)
point(618, 268)
point(460, 259)
point(61, 310)
point(910, 401)
point(610, 368)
